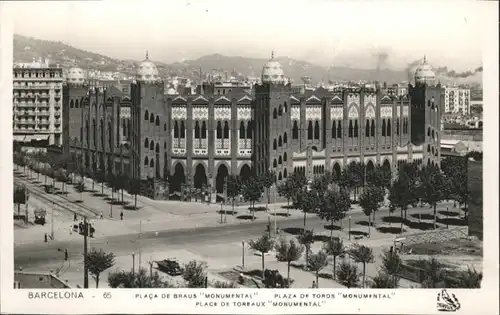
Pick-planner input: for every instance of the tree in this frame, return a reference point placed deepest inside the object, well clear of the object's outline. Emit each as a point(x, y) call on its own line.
point(306, 239)
point(298, 184)
point(252, 192)
point(19, 197)
point(309, 203)
point(354, 174)
point(97, 262)
point(470, 279)
point(285, 189)
point(362, 254)
point(134, 188)
point(317, 262)
point(139, 279)
point(322, 184)
point(392, 265)
point(288, 251)
point(371, 200)
point(431, 187)
point(347, 274)
point(62, 176)
point(120, 183)
point(195, 274)
point(382, 281)
point(110, 179)
point(334, 207)
point(100, 177)
point(263, 245)
point(267, 180)
point(233, 188)
point(224, 285)
point(273, 279)
point(401, 194)
point(334, 246)
point(433, 273)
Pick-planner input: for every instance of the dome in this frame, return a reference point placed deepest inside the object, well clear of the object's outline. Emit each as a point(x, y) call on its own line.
point(75, 76)
point(272, 72)
point(424, 73)
point(147, 71)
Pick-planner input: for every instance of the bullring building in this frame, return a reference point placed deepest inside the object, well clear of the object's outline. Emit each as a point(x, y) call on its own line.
point(171, 141)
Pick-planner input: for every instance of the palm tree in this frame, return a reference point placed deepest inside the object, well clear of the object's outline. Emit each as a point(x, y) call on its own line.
point(382, 281)
point(288, 251)
point(306, 238)
point(263, 245)
point(335, 247)
point(316, 262)
point(362, 254)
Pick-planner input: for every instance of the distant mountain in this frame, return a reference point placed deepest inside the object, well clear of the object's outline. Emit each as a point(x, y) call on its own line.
point(28, 48)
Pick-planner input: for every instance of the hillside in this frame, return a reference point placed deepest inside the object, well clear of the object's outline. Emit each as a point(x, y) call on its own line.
point(28, 48)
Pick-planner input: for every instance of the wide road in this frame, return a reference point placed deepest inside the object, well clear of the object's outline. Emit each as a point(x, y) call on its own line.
point(30, 255)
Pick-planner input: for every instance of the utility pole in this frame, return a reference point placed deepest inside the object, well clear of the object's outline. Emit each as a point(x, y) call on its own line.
point(140, 251)
point(52, 223)
point(85, 266)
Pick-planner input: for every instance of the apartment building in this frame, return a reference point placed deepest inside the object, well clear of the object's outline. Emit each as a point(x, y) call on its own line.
point(457, 100)
point(37, 102)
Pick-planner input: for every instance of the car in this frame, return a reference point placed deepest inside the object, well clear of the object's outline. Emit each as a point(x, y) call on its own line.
point(170, 267)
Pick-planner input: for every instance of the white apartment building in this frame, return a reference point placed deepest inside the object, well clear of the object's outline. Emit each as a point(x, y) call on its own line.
point(457, 100)
point(37, 102)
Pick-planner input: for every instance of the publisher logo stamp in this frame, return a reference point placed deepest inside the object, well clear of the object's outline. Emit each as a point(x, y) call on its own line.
point(447, 302)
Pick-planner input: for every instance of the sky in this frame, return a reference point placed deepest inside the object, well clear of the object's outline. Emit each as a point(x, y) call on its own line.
point(336, 33)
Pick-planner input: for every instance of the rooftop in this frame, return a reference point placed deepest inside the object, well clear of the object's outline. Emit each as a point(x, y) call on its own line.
point(34, 280)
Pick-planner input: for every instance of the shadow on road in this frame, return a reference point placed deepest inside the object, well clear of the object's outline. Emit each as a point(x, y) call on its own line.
point(390, 230)
point(229, 212)
point(321, 238)
point(334, 227)
point(244, 217)
point(281, 214)
point(257, 209)
point(131, 207)
point(293, 230)
point(358, 233)
point(364, 223)
point(449, 213)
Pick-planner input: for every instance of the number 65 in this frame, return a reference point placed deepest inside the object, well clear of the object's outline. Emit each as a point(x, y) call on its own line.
point(106, 295)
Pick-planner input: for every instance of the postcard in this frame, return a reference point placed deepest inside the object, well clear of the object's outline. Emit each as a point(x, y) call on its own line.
point(249, 157)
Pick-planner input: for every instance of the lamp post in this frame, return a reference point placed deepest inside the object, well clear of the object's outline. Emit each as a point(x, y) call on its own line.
point(349, 227)
point(242, 254)
point(133, 263)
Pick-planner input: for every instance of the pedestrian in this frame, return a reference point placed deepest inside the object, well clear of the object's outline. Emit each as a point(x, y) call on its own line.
point(66, 254)
point(314, 285)
point(121, 215)
point(75, 217)
point(70, 230)
point(102, 215)
point(45, 237)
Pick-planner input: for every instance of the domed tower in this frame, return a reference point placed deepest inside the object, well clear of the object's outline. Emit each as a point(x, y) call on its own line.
point(427, 101)
point(74, 100)
point(272, 122)
point(149, 122)
point(424, 74)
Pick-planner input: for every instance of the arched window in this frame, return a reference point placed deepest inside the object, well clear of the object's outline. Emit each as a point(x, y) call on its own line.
point(280, 110)
point(242, 130)
point(197, 130)
point(152, 145)
point(356, 128)
point(280, 142)
point(284, 173)
point(226, 130)
point(316, 130)
point(152, 163)
point(280, 161)
point(388, 127)
point(76, 104)
point(310, 130)
point(146, 161)
point(157, 148)
point(284, 157)
point(146, 115)
point(275, 114)
point(334, 130)
point(373, 128)
point(249, 130)
point(219, 130)
point(397, 126)
point(165, 145)
point(432, 133)
point(203, 130)
point(71, 104)
point(339, 129)
point(164, 127)
point(295, 130)
point(285, 138)
point(383, 127)
point(152, 118)
point(102, 131)
point(351, 131)
point(279, 176)
point(428, 131)
point(275, 146)
point(157, 122)
point(176, 129)
point(428, 148)
point(275, 164)
point(183, 130)
point(94, 132)
point(367, 128)
point(81, 134)
point(285, 107)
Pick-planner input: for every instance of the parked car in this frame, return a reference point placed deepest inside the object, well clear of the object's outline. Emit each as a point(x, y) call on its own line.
point(170, 267)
